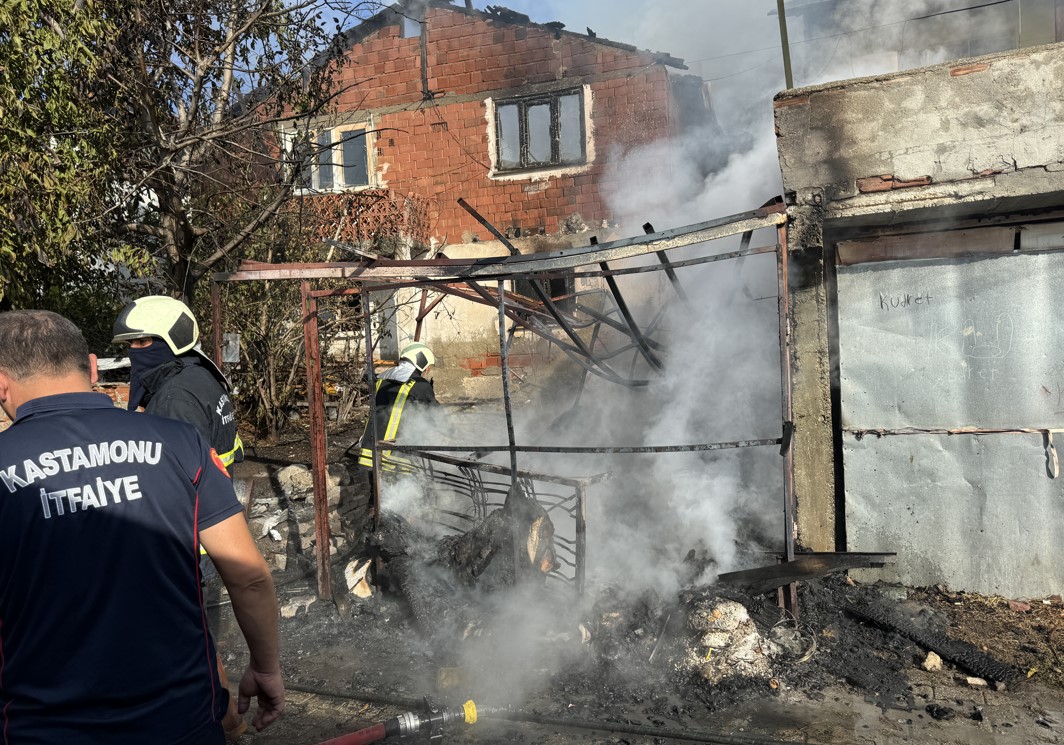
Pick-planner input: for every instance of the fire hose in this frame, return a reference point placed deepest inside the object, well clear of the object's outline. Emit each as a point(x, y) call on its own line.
point(409, 723)
point(433, 723)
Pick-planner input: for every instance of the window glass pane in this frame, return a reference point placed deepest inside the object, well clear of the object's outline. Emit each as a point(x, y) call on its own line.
point(509, 137)
point(325, 158)
point(356, 158)
point(571, 141)
point(539, 150)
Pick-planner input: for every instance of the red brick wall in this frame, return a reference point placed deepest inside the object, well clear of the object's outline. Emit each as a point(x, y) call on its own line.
point(440, 149)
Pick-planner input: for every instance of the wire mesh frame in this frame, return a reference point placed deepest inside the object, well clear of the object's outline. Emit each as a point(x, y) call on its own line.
point(485, 487)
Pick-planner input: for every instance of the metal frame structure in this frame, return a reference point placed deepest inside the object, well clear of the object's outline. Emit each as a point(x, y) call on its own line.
point(487, 485)
point(466, 278)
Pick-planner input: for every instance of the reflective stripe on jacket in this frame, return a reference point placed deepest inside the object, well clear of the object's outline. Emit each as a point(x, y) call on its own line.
point(389, 462)
point(236, 455)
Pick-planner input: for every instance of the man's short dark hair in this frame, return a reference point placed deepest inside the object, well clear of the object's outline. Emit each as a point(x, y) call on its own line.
point(40, 342)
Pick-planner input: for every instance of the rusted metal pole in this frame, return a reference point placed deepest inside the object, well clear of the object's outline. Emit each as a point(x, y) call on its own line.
point(669, 271)
point(421, 312)
point(581, 538)
point(371, 425)
point(622, 306)
point(790, 593)
point(505, 364)
point(542, 296)
point(626, 450)
point(785, 44)
point(216, 322)
point(316, 412)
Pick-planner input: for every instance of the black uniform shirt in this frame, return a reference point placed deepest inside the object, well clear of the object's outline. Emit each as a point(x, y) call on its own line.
point(102, 631)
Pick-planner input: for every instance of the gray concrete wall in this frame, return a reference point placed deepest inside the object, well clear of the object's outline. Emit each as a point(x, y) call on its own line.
point(973, 137)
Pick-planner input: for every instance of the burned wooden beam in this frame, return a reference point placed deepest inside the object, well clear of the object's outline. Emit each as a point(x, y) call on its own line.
point(960, 653)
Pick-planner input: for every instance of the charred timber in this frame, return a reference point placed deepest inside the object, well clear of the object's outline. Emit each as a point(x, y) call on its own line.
point(961, 653)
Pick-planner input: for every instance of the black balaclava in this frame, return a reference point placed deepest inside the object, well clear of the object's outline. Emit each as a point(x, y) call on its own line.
point(142, 360)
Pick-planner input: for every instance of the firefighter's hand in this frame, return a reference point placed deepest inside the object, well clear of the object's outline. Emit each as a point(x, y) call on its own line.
point(268, 689)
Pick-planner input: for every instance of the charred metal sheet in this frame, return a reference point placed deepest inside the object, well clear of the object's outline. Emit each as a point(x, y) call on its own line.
point(980, 510)
point(971, 342)
point(806, 566)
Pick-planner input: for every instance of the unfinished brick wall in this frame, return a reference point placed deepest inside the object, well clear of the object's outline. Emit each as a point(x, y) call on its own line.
point(438, 149)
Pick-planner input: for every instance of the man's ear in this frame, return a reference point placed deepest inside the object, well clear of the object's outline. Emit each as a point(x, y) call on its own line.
point(5, 393)
point(94, 373)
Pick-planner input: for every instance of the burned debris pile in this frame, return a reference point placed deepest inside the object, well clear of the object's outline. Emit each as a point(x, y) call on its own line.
point(714, 644)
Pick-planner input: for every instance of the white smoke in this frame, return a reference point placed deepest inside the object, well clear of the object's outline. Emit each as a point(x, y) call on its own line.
point(721, 380)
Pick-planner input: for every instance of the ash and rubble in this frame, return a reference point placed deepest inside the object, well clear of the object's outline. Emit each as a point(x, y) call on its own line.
point(480, 608)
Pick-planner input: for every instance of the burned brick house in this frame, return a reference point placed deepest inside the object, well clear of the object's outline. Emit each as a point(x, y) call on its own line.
point(520, 119)
point(927, 222)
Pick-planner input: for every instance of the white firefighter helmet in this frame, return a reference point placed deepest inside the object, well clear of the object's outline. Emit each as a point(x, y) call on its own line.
point(159, 316)
point(419, 354)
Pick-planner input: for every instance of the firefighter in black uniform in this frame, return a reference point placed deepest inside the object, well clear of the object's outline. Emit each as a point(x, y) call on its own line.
point(101, 515)
point(169, 376)
point(406, 383)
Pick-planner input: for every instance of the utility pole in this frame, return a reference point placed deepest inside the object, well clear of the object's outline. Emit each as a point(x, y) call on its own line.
point(786, 45)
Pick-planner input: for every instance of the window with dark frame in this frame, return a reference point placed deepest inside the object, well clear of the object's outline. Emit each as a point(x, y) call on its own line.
point(334, 159)
point(540, 131)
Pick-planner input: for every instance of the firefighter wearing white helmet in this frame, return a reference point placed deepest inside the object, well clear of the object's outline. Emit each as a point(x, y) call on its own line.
point(407, 382)
point(171, 377)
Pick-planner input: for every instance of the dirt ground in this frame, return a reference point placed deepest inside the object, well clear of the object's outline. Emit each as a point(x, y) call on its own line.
point(848, 680)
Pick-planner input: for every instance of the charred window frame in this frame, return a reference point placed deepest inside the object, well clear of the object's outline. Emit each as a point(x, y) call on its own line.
point(540, 131)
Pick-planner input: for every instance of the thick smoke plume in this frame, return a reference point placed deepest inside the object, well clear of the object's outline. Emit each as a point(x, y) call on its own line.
point(668, 520)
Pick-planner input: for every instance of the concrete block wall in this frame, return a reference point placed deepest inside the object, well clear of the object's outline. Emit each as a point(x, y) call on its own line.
point(966, 137)
point(441, 148)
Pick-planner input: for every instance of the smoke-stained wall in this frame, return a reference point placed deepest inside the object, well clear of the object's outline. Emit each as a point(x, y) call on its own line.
point(917, 155)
